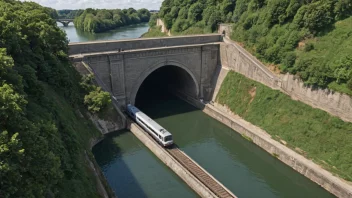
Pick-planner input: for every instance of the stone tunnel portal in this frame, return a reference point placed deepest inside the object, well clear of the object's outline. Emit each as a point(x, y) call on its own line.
point(164, 83)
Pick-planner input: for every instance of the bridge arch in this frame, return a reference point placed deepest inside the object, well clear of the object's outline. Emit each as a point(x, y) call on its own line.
point(164, 65)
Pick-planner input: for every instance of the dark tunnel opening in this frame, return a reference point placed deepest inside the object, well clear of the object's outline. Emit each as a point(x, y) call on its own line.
point(159, 90)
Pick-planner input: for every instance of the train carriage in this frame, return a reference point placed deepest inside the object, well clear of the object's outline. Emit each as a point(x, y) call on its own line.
point(154, 129)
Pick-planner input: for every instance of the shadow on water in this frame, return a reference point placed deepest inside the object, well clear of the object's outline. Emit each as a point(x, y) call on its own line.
point(107, 153)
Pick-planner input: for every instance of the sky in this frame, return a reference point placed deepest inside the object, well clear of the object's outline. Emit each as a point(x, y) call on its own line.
point(109, 4)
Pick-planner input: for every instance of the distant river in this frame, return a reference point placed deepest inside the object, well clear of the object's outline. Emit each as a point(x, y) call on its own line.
point(126, 32)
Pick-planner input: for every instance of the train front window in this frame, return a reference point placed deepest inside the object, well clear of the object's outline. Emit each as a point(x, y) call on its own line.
point(168, 138)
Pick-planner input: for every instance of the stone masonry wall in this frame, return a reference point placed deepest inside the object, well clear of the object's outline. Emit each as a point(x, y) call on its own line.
point(238, 59)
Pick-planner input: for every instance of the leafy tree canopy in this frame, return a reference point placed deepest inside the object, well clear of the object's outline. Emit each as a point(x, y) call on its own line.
point(308, 38)
point(40, 142)
point(100, 20)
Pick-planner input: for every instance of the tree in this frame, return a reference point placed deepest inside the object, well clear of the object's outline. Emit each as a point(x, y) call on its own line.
point(39, 145)
point(168, 21)
point(195, 12)
point(97, 99)
point(11, 156)
point(153, 20)
point(102, 20)
point(314, 16)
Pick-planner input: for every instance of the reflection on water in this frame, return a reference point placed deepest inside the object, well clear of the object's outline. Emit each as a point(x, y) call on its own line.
point(126, 32)
point(133, 171)
point(240, 165)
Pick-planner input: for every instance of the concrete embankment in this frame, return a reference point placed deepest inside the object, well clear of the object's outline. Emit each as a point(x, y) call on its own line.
point(172, 163)
point(309, 169)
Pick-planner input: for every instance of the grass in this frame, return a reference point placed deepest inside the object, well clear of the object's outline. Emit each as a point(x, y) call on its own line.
point(154, 32)
point(325, 139)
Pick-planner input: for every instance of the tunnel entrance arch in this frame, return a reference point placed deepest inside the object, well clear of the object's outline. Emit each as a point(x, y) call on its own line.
point(165, 77)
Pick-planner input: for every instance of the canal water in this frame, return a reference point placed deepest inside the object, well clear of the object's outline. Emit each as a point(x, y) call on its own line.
point(133, 171)
point(240, 165)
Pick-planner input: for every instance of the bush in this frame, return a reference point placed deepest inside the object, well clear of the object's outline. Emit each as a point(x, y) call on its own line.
point(97, 100)
point(273, 54)
point(153, 20)
point(168, 21)
point(349, 84)
point(308, 47)
point(289, 60)
point(180, 25)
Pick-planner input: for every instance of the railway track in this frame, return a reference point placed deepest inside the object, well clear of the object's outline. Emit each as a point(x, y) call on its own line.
point(211, 183)
point(199, 173)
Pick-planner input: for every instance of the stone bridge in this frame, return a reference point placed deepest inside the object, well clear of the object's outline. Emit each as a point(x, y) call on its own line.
point(65, 22)
point(184, 64)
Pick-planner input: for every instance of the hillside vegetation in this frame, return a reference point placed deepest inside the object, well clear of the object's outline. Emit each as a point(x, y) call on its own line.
point(42, 135)
point(311, 38)
point(311, 132)
point(68, 14)
point(154, 31)
point(100, 20)
point(195, 16)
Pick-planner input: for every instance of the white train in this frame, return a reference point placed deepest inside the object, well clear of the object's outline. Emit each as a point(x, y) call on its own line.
point(154, 129)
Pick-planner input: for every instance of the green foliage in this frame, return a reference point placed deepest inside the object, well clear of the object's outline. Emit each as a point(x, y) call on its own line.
point(41, 138)
point(52, 13)
point(308, 47)
point(69, 14)
point(325, 139)
point(100, 20)
point(273, 30)
point(154, 32)
point(349, 84)
point(168, 20)
point(195, 16)
point(87, 83)
point(97, 100)
point(153, 20)
point(11, 103)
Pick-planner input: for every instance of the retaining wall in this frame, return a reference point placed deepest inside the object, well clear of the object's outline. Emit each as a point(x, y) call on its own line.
point(238, 59)
point(302, 165)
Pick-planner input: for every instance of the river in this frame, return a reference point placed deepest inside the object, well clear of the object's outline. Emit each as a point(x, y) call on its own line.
point(127, 32)
point(133, 171)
